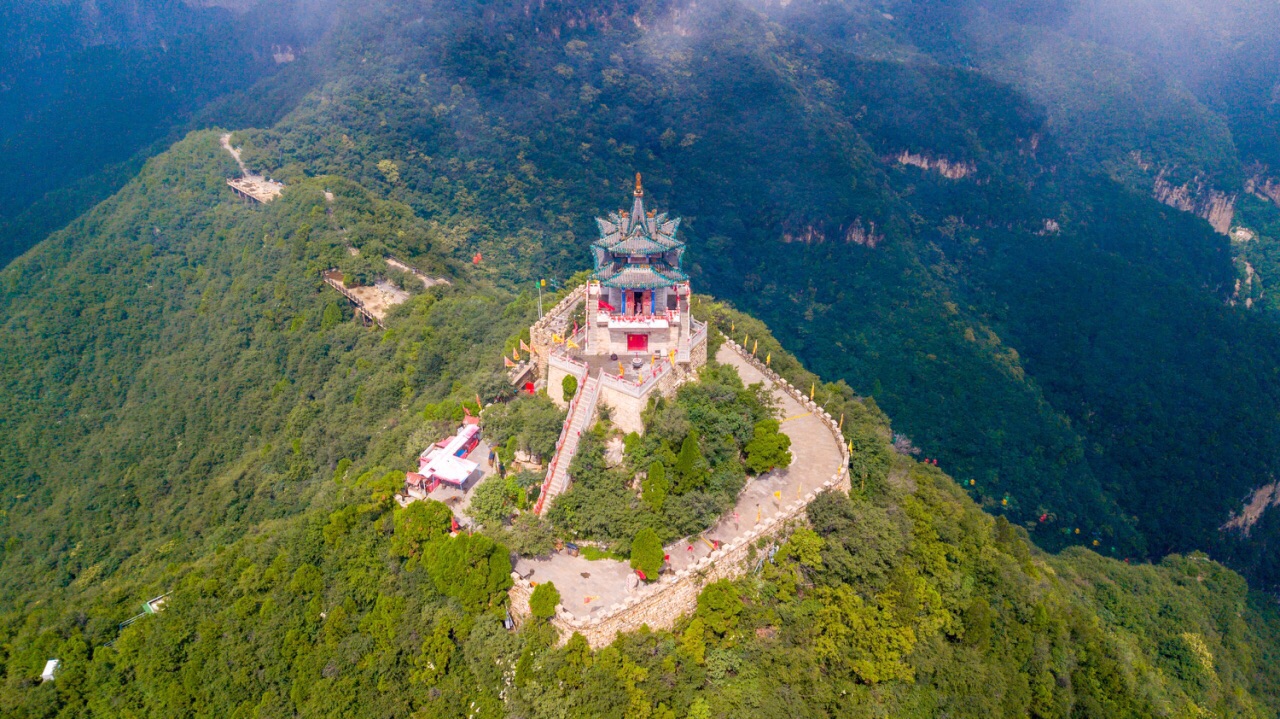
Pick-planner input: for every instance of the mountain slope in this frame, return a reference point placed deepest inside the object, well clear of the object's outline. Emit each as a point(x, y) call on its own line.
point(196, 420)
point(506, 132)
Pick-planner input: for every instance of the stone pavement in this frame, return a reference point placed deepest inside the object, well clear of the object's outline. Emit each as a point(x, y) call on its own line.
point(816, 456)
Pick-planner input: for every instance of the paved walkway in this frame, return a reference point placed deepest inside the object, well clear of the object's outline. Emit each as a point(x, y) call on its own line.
point(815, 457)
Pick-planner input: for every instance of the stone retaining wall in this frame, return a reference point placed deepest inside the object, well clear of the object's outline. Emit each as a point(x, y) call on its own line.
point(553, 322)
point(660, 604)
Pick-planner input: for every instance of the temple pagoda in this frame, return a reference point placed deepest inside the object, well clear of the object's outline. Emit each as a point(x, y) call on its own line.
point(639, 292)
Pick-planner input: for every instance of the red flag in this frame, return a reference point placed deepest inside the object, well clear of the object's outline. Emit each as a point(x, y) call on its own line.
point(641, 573)
point(454, 522)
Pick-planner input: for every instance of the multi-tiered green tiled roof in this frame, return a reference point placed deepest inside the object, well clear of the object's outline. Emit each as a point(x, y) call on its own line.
point(638, 250)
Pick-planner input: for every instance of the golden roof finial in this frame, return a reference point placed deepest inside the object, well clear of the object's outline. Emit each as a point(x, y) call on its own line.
point(639, 189)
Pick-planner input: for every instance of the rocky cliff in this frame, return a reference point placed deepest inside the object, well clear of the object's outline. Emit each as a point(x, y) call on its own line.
point(1195, 197)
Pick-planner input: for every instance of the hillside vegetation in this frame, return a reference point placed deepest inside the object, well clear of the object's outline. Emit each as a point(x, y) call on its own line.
point(1061, 342)
point(193, 414)
point(186, 408)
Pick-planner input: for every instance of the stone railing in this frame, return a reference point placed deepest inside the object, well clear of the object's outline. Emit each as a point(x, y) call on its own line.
point(636, 389)
point(577, 368)
point(659, 604)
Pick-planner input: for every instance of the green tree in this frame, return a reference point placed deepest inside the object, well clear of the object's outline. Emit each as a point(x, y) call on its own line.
point(646, 553)
point(569, 387)
point(691, 467)
point(694, 641)
point(653, 489)
point(490, 503)
point(471, 568)
point(719, 606)
point(433, 659)
point(769, 448)
point(544, 599)
point(306, 580)
point(531, 536)
point(332, 316)
point(419, 523)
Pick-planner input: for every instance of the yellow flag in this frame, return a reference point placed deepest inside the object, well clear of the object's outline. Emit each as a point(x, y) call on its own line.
point(767, 359)
point(812, 387)
point(842, 421)
point(732, 327)
point(672, 355)
point(621, 371)
point(571, 344)
point(515, 354)
point(506, 361)
point(525, 347)
point(778, 494)
point(755, 347)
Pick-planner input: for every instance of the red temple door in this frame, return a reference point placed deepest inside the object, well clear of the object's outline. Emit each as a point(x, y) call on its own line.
point(637, 343)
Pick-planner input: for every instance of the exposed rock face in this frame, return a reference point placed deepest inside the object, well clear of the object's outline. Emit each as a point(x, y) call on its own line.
point(1213, 205)
point(1262, 186)
point(1259, 501)
point(808, 234)
point(856, 232)
point(1244, 286)
point(941, 165)
point(858, 235)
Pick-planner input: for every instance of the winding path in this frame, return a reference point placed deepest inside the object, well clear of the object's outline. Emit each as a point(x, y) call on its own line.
point(589, 587)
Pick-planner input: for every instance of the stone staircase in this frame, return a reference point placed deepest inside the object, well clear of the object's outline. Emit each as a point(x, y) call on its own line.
point(581, 413)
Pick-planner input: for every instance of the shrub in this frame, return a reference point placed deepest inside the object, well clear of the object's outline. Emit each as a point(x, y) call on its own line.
point(769, 448)
point(419, 523)
point(544, 600)
point(719, 606)
point(569, 386)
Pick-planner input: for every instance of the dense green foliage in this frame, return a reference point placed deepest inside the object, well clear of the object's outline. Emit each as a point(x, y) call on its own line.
point(1037, 365)
point(86, 97)
point(531, 423)
point(769, 448)
point(711, 420)
point(569, 387)
point(185, 407)
point(646, 553)
point(543, 601)
point(312, 594)
point(654, 486)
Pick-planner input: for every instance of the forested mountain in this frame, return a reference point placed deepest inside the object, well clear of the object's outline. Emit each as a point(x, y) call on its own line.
point(185, 406)
point(954, 294)
point(89, 90)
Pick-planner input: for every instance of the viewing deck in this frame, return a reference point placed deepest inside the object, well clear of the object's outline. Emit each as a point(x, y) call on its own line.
point(647, 321)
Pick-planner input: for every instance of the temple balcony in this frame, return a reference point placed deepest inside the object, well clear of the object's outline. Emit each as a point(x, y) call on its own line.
point(645, 320)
